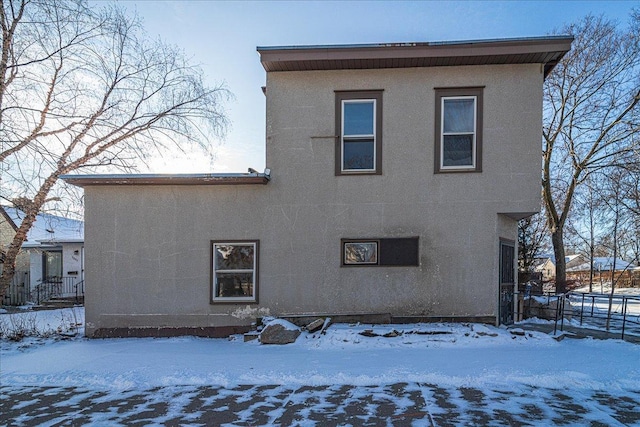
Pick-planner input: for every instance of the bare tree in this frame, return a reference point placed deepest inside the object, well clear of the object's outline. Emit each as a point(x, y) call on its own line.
point(591, 112)
point(587, 221)
point(630, 200)
point(613, 201)
point(81, 88)
point(532, 238)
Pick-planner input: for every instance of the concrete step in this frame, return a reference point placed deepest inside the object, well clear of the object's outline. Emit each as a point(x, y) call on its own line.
point(63, 302)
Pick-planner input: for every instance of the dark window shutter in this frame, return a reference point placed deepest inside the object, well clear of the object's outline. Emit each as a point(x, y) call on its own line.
point(400, 251)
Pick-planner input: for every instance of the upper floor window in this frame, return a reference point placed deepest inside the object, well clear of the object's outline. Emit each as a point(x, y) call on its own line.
point(458, 120)
point(359, 132)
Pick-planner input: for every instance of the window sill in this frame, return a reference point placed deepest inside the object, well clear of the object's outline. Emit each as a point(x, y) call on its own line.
point(458, 170)
point(232, 300)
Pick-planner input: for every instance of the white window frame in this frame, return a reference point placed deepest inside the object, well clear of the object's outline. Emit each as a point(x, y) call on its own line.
point(253, 271)
point(472, 166)
point(357, 137)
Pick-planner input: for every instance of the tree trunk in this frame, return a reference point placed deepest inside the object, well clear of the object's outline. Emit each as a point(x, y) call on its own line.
point(613, 263)
point(561, 267)
point(591, 255)
point(9, 267)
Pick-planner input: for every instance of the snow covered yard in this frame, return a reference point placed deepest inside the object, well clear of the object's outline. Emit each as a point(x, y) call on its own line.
point(425, 374)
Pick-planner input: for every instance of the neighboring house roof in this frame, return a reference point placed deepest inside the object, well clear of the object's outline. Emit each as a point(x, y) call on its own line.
point(546, 50)
point(603, 264)
point(551, 258)
point(538, 262)
point(170, 179)
point(48, 229)
point(542, 264)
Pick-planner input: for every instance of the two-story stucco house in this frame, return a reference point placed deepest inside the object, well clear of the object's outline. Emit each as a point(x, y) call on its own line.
point(396, 175)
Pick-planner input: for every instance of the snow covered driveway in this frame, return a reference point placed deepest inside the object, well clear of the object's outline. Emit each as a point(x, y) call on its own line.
point(426, 374)
point(398, 404)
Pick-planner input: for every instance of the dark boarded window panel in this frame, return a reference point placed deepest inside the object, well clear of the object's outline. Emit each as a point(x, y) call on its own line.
point(399, 251)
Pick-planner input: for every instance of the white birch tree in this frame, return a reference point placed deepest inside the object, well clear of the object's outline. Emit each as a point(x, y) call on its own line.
point(85, 88)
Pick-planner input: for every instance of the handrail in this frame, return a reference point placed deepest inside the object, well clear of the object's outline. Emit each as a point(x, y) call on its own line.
point(59, 286)
point(622, 301)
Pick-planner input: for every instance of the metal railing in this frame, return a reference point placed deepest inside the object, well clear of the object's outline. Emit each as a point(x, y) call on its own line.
point(58, 287)
point(606, 311)
point(547, 304)
point(609, 314)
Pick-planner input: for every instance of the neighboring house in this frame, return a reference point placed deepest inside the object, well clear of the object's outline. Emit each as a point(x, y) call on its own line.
point(626, 274)
point(396, 177)
point(546, 268)
point(7, 231)
point(19, 288)
point(547, 265)
point(601, 264)
point(52, 256)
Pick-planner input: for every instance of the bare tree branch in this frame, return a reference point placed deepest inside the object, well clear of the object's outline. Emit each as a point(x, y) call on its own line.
point(592, 111)
point(86, 88)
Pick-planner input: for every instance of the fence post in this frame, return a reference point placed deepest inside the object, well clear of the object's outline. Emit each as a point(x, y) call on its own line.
point(562, 298)
point(555, 324)
point(582, 309)
point(624, 313)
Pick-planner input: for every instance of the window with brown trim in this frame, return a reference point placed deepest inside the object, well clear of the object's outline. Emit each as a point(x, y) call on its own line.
point(458, 130)
point(403, 251)
point(234, 271)
point(359, 132)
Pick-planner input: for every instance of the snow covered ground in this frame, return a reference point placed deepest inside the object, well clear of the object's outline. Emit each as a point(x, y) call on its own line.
point(453, 357)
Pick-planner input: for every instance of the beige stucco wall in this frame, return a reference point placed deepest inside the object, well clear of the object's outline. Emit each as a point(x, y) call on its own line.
point(148, 248)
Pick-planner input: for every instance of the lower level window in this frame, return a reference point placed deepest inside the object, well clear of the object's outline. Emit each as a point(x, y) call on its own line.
point(235, 271)
point(403, 251)
point(357, 253)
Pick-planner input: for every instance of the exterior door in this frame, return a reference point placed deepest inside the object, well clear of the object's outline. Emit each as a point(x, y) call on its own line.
point(507, 281)
point(51, 266)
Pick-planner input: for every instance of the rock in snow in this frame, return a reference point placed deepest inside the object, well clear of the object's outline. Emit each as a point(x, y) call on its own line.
point(315, 325)
point(279, 332)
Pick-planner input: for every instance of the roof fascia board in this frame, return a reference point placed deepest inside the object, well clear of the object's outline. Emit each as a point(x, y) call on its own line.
point(304, 53)
point(516, 40)
point(548, 50)
point(169, 179)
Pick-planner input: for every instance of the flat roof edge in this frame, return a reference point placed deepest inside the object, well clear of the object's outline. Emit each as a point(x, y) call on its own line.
point(540, 50)
point(513, 40)
point(167, 179)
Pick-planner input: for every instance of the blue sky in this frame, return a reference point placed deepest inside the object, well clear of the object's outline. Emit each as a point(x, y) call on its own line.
point(222, 37)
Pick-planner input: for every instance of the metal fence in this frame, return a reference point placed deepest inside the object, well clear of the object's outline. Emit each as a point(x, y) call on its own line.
point(614, 314)
point(620, 313)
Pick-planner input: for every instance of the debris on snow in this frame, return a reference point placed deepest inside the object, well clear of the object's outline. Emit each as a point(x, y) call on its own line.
point(315, 325)
point(327, 322)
